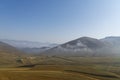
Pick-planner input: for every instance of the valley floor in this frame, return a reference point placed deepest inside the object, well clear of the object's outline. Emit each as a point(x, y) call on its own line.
point(54, 72)
point(73, 68)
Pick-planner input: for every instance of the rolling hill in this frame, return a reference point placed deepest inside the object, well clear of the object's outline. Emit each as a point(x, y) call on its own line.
point(84, 46)
point(29, 46)
point(8, 54)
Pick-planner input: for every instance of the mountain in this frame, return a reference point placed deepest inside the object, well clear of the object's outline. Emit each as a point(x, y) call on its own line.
point(8, 54)
point(27, 44)
point(114, 43)
point(84, 46)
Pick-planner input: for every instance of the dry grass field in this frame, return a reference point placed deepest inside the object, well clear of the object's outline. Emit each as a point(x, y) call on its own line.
point(86, 69)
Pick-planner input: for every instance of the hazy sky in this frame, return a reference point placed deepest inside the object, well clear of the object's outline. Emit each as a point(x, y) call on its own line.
point(58, 21)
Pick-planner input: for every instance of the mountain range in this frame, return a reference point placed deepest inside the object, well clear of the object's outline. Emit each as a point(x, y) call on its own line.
point(29, 46)
point(86, 46)
point(83, 46)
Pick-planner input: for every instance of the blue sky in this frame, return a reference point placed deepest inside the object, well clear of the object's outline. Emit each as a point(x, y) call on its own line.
point(58, 21)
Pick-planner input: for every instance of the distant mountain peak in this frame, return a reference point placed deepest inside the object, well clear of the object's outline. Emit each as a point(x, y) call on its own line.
point(83, 46)
point(27, 44)
point(86, 42)
point(86, 37)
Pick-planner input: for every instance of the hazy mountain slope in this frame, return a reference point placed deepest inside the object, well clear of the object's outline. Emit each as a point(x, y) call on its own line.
point(84, 46)
point(27, 44)
point(34, 50)
point(85, 42)
point(114, 43)
point(8, 54)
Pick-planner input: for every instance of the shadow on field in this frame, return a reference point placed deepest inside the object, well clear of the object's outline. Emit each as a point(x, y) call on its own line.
point(29, 66)
point(100, 75)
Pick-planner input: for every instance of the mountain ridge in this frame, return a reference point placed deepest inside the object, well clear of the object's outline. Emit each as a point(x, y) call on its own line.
point(27, 44)
point(84, 46)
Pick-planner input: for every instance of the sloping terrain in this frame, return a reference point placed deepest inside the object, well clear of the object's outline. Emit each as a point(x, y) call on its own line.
point(114, 43)
point(29, 46)
point(8, 54)
point(84, 46)
point(79, 68)
point(89, 68)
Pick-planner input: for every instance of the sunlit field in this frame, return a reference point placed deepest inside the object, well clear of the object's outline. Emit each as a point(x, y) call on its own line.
point(85, 69)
